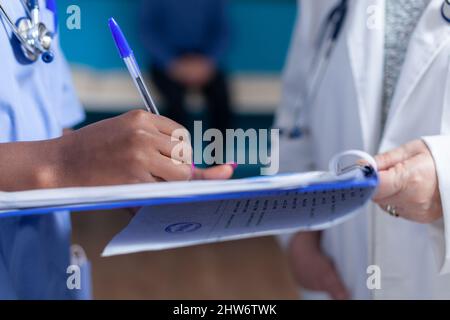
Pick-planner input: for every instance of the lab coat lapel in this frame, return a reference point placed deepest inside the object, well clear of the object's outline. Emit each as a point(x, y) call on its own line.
point(365, 41)
point(430, 37)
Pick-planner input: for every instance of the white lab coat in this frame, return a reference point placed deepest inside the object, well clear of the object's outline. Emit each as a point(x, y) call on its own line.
point(414, 258)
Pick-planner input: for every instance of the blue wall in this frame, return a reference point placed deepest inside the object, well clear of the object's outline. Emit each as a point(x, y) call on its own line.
point(261, 33)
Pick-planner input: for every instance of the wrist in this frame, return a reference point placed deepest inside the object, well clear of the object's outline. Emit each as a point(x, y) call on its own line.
point(48, 172)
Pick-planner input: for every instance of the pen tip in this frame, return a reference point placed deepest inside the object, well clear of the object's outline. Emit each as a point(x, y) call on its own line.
point(119, 38)
point(112, 22)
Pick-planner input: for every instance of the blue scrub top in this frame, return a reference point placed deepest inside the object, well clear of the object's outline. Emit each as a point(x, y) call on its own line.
point(37, 101)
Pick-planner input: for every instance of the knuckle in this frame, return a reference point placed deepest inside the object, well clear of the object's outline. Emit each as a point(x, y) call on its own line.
point(154, 118)
point(137, 138)
point(399, 172)
point(416, 179)
point(181, 150)
point(180, 133)
point(139, 117)
point(136, 158)
point(422, 204)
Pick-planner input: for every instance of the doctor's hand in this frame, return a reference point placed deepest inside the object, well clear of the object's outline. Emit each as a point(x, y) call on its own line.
point(222, 172)
point(408, 183)
point(133, 148)
point(312, 269)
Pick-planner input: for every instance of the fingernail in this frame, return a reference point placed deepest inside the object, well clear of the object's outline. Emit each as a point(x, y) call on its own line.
point(234, 165)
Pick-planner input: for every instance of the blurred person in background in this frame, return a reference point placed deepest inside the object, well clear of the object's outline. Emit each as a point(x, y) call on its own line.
point(186, 42)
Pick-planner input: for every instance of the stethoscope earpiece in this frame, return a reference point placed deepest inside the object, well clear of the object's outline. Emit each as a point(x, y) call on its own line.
point(48, 57)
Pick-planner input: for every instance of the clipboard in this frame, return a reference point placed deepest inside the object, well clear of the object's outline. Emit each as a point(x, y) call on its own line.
point(179, 214)
point(370, 183)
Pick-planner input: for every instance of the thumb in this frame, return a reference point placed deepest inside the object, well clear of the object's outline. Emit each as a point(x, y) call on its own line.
point(398, 155)
point(223, 172)
point(392, 181)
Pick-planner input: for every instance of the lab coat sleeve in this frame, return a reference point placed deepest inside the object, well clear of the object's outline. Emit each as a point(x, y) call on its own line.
point(440, 230)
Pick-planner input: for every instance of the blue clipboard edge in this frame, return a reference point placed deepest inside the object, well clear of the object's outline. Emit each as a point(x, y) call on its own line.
point(371, 181)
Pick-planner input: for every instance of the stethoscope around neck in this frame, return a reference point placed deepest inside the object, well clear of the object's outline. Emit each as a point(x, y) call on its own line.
point(328, 36)
point(31, 32)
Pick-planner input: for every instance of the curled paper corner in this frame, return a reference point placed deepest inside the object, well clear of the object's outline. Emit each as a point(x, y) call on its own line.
point(347, 161)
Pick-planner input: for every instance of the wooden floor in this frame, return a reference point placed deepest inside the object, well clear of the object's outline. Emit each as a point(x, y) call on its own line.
point(250, 269)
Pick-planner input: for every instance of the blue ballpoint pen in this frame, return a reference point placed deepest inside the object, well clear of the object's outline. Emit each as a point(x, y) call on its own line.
point(130, 61)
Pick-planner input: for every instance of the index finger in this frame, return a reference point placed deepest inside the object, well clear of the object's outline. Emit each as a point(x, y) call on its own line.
point(393, 157)
point(391, 182)
point(222, 172)
point(169, 127)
